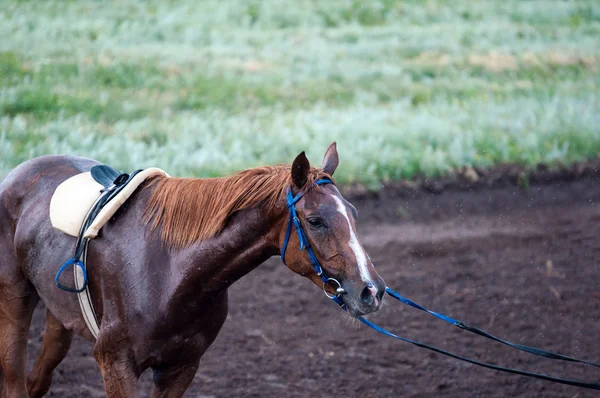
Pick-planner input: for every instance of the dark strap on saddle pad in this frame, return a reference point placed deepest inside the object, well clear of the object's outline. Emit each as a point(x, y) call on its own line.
point(108, 176)
point(109, 192)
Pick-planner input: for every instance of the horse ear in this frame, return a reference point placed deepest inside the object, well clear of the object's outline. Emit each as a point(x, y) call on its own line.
point(330, 160)
point(300, 170)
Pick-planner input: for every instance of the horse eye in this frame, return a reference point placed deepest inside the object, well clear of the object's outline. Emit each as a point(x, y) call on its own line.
point(315, 222)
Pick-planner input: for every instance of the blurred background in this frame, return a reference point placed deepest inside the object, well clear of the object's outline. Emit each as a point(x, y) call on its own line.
point(207, 88)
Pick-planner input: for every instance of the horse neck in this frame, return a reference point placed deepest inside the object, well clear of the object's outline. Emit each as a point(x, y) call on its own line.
point(250, 238)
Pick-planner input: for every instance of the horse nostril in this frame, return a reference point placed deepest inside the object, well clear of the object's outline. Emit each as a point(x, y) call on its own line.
point(368, 295)
point(380, 294)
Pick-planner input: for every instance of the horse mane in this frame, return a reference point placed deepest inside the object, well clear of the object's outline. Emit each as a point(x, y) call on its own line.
point(189, 210)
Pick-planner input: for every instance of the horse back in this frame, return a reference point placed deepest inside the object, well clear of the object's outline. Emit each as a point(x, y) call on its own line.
point(36, 179)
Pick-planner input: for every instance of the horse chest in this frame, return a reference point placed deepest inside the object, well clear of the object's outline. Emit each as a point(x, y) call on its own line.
point(188, 329)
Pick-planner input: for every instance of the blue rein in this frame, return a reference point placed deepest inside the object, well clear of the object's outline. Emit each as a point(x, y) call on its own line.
point(472, 329)
point(304, 244)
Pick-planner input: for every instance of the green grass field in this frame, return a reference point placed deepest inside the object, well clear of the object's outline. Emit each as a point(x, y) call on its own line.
point(204, 88)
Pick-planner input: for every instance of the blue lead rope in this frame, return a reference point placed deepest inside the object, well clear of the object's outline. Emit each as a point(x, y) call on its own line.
point(464, 326)
point(472, 329)
point(593, 386)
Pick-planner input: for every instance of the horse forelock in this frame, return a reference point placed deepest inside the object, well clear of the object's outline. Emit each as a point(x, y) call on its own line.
point(189, 210)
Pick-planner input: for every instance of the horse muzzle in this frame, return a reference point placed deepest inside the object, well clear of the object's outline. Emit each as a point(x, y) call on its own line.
point(363, 300)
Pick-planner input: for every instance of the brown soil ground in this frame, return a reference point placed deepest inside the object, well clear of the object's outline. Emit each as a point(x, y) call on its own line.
point(520, 260)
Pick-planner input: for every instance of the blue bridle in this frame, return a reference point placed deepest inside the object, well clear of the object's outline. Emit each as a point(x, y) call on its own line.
point(304, 244)
point(295, 221)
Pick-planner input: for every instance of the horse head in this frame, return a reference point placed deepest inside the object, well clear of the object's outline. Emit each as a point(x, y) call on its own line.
point(328, 222)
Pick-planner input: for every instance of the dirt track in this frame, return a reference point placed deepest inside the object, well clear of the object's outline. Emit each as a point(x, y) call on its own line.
point(523, 264)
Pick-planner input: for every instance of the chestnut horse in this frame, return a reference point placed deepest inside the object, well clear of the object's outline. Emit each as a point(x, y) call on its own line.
point(160, 268)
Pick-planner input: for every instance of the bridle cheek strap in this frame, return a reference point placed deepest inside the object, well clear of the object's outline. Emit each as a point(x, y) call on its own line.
point(294, 221)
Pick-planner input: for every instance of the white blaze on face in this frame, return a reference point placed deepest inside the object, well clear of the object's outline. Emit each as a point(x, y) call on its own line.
point(359, 253)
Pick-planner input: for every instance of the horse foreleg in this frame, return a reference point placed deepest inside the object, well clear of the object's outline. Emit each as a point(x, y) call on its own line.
point(2, 390)
point(17, 302)
point(56, 344)
point(120, 373)
point(171, 382)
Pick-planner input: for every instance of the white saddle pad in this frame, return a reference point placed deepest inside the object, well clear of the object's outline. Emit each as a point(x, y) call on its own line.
point(73, 199)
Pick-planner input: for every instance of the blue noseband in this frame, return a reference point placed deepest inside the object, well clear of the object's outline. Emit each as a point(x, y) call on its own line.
point(295, 221)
